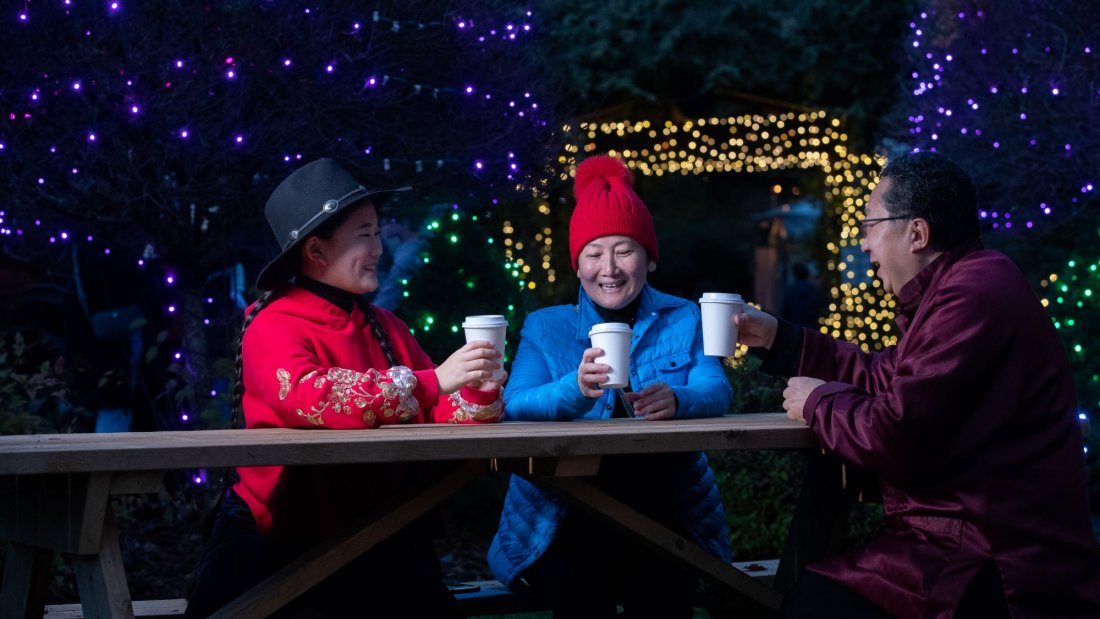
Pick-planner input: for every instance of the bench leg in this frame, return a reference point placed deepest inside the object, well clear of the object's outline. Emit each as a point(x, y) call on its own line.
point(820, 523)
point(317, 564)
point(657, 537)
point(26, 575)
point(101, 580)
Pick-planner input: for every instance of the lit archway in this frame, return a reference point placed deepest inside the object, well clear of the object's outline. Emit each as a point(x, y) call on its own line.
point(858, 311)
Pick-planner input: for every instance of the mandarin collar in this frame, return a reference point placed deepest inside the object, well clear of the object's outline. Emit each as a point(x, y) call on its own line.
point(337, 296)
point(911, 294)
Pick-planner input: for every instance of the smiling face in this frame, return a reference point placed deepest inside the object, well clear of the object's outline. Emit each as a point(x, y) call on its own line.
point(613, 269)
point(889, 243)
point(349, 258)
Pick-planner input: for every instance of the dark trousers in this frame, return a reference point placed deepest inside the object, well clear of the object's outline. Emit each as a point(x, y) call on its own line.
point(587, 570)
point(818, 597)
point(400, 577)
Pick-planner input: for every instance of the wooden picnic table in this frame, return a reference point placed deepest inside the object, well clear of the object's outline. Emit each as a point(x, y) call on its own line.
point(56, 490)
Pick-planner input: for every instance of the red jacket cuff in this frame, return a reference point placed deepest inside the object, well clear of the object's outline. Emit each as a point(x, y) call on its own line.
point(479, 397)
point(427, 388)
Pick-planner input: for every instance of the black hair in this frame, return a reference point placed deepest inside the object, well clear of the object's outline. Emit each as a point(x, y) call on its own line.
point(238, 382)
point(934, 188)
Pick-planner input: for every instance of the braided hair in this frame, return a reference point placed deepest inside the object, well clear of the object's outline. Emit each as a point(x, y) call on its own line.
point(238, 383)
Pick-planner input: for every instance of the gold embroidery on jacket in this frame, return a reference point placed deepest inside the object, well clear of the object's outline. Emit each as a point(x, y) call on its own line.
point(467, 411)
point(352, 392)
point(314, 418)
point(284, 382)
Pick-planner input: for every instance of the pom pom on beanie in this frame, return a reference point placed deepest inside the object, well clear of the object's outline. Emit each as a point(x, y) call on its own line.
point(608, 206)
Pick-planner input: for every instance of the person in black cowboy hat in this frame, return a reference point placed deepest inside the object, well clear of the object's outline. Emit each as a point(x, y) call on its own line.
point(312, 354)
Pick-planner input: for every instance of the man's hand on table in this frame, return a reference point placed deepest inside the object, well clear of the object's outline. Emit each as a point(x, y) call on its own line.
point(794, 396)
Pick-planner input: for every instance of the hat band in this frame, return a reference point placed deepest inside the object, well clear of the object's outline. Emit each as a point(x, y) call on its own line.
point(330, 206)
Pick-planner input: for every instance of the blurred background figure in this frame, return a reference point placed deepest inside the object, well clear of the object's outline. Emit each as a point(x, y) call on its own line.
point(802, 298)
point(404, 243)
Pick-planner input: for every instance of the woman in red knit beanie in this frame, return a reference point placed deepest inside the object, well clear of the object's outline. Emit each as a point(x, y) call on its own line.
point(314, 355)
point(580, 568)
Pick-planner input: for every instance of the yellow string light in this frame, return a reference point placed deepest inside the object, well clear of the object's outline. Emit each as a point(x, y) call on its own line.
point(859, 311)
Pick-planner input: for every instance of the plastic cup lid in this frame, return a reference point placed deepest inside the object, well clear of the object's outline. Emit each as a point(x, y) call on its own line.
point(721, 297)
point(609, 327)
point(488, 320)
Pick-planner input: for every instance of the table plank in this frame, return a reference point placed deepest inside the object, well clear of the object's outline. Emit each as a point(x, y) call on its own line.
point(142, 451)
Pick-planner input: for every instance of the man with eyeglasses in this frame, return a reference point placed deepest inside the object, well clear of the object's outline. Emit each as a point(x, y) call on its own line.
point(969, 422)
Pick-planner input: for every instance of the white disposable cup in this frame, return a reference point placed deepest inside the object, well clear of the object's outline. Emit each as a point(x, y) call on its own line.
point(719, 332)
point(493, 328)
point(614, 339)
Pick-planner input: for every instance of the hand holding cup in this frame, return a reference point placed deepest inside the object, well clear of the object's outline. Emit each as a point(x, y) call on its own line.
point(755, 328)
point(472, 365)
point(613, 338)
point(590, 375)
point(491, 327)
point(719, 329)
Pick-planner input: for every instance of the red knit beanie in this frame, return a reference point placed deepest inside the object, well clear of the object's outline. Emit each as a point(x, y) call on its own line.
point(608, 206)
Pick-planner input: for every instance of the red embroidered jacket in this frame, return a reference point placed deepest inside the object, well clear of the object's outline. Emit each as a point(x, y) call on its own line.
point(310, 364)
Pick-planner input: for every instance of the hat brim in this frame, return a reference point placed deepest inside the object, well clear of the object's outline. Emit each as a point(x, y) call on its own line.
point(283, 267)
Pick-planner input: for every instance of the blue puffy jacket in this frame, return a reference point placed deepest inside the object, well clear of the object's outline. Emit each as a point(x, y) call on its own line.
point(667, 346)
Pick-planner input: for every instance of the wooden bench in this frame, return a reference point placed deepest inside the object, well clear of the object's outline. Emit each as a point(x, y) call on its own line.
point(148, 609)
point(487, 597)
point(476, 598)
point(57, 491)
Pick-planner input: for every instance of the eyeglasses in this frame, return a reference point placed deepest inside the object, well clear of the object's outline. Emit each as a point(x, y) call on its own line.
point(867, 223)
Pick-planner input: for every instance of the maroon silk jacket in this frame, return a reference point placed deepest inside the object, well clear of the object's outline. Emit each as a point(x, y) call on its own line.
point(970, 422)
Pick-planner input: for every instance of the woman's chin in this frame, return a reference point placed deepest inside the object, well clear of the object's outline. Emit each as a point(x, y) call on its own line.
point(367, 285)
point(613, 301)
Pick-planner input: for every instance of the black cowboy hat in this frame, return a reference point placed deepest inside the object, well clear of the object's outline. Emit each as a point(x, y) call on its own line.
point(304, 200)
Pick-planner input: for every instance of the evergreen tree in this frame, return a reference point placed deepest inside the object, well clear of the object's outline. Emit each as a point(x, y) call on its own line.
point(712, 57)
point(462, 257)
